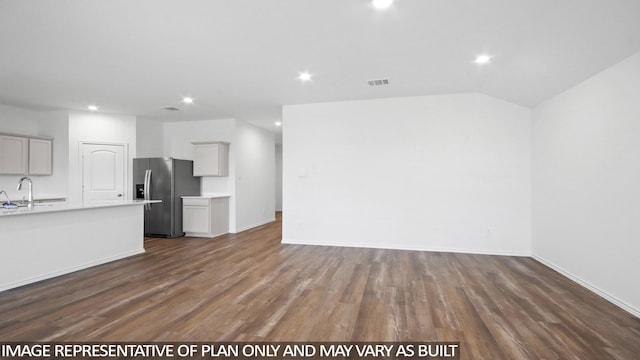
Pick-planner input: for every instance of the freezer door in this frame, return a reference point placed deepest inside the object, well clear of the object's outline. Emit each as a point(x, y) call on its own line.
point(160, 215)
point(140, 168)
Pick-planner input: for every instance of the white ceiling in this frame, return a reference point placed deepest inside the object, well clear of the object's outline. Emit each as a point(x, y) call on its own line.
point(240, 58)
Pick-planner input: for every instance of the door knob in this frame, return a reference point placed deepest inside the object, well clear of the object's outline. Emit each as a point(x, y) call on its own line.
point(119, 195)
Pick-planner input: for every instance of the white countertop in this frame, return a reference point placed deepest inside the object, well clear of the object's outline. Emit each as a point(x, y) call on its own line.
point(208, 196)
point(48, 196)
point(40, 208)
point(17, 197)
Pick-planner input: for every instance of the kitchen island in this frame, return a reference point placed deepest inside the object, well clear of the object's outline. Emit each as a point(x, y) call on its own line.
point(51, 239)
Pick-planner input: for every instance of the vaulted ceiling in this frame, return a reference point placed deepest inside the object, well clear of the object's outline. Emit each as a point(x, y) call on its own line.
point(241, 58)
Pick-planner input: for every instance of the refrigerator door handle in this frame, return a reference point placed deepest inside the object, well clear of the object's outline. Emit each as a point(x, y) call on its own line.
point(144, 188)
point(147, 183)
point(149, 186)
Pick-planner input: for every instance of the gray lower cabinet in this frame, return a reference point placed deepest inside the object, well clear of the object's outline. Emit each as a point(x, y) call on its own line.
point(204, 216)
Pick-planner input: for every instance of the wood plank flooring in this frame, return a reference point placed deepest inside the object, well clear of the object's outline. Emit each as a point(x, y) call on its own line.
point(249, 287)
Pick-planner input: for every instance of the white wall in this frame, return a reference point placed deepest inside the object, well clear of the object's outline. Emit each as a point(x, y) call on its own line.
point(255, 176)
point(17, 121)
point(68, 129)
point(278, 177)
point(29, 122)
point(55, 124)
point(97, 127)
point(586, 210)
point(251, 166)
point(444, 173)
point(149, 138)
point(177, 143)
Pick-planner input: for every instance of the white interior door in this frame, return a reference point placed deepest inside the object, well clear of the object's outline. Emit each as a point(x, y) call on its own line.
point(103, 172)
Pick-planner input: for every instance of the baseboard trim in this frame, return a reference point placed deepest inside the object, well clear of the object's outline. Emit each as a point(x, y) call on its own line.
point(610, 298)
point(69, 270)
point(410, 248)
point(249, 227)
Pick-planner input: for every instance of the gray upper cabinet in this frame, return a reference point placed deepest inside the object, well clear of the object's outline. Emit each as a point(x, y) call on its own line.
point(25, 155)
point(210, 158)
point(14, 155)
point(40, 157)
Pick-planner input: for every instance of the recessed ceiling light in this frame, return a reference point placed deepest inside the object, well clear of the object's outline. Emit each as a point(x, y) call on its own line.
point(482, 59)
point(187, 100)
point(278, 123)
point(381, 4)
point(305, 76)
point(92, 108)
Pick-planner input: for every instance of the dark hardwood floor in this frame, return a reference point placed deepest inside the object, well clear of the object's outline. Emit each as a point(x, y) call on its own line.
point(249, 287)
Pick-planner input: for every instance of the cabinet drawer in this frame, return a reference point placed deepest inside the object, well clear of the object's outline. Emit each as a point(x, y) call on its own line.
point(195, 202)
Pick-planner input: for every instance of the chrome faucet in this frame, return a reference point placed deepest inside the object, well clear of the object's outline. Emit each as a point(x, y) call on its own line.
point(30, 190)
point(5, 195)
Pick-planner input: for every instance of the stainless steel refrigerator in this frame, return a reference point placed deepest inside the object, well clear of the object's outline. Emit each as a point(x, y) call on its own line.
point(165, 179)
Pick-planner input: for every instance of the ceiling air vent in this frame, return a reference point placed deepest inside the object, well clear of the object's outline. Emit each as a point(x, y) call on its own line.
point(171, 108)
point(378, 82)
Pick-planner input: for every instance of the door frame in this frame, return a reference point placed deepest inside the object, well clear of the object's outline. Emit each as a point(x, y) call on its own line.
point(125, 166)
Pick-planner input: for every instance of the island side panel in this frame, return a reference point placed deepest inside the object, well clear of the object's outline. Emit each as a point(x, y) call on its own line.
point(39, 246)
